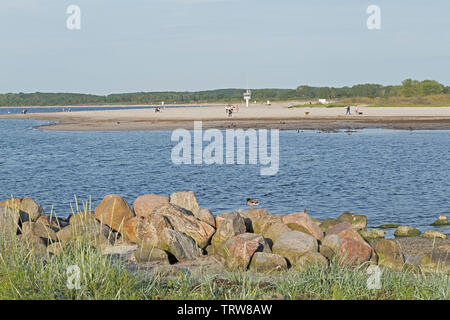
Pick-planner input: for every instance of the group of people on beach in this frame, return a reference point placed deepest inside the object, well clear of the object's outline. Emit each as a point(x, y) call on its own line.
point(66, 110)
point(229, 109)
point(349, 111)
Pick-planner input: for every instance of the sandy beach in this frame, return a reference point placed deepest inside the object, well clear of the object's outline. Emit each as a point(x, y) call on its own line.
point(278, 116)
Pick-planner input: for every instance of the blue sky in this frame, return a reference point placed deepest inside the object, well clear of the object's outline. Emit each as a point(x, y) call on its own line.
point(153, 45)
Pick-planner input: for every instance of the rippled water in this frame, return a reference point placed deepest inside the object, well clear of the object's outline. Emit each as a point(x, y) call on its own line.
point(390, 176)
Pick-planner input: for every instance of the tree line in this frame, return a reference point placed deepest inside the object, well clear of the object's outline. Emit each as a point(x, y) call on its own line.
point(408, 88)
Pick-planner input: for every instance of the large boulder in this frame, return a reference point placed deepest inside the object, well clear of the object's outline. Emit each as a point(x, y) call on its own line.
point(432, 234)
point(372, 234)
point(145, 204)
point(38, 229)
point(261, 225)
point(206, 215)
point(228, 225)
point(148, 253)
point(31, 208)
point(406, 231)
point(328, 223)
point(94, 233)
point(185, 200)
point(294, 244)
point(81, 218)
point(359, 222)
point(310, 259)
point(330, 246)
point(129, 228)
point(253, 215)
point(354, 252)
point(113, 211)
point(274, 231)
point(301, 221)
point(187, 223)
point(149, 230)
point(240, 250)
point(268, 262)
point(389, 254)
point(180, 245)
point(353, 249)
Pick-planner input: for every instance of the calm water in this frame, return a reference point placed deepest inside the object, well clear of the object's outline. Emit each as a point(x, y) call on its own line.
point(390, 176)
point(18, 110)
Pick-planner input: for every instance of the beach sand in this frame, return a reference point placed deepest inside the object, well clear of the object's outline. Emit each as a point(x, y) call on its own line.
point(276, 116)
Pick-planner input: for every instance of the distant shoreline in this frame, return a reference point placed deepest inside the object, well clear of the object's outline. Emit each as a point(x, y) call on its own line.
point(258, 116)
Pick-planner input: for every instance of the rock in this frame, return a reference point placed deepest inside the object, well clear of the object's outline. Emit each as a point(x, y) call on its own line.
point(81, 218)
point(328, 223)
point(187, 223)
point(129, 228)
point(52, 222)
point(406, 231)
point(389, 226)
point(11, 203)
point(185, 200)
point(38, 229)
point(330, 246)
point(36, 245)
point(94, 233)
point(354, 252)
point(151, 254)
point(294, 244)
point(431, 234)
point(149, 230)
point(206, 215)
point(32, 209)
point(113, 211)
point(372, 234)
point(9, 222)
point(441, 221)
point(145, 204)
point(274, 231)
point(359, 222)
point(123, 251)
point(310, 259)
point(317, 221)
point(389, 254)
point(261, 225)
point(228, 225)
point(301, 221)
point(268, 262)
point(252, 216)
point(180, 245)
point(437, 260)
point(346, 230)
point(240, 252)
point(255, 237)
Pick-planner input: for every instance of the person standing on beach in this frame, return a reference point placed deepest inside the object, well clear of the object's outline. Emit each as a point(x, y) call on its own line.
point(356, 110)
point(348, 110)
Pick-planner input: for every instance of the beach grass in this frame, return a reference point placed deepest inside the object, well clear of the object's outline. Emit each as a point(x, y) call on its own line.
point(25, 275)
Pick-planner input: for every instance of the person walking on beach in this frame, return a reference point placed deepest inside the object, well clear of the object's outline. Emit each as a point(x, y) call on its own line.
point(348, 110)
point(356, 110)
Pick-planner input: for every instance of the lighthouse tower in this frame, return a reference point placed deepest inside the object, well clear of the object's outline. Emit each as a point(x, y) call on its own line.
point(247, 96)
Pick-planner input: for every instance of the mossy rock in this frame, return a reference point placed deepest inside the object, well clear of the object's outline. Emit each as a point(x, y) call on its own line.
point(441, 221)
point(406, 231)
point(431, 234)
point(359, 222)
point(389, 226)
point(372, 234)
point(328, 223)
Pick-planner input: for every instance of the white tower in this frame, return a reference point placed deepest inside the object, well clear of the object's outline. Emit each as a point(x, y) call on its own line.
point(247, 96)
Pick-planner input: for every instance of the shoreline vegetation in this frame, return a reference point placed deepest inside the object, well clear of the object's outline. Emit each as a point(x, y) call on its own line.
point(168, 247)
point(416, 92)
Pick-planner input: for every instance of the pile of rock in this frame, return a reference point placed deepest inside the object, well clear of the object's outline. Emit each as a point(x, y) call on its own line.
point(175, 230)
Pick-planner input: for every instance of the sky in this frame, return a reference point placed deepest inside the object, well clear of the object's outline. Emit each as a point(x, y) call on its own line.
point(189, 45)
